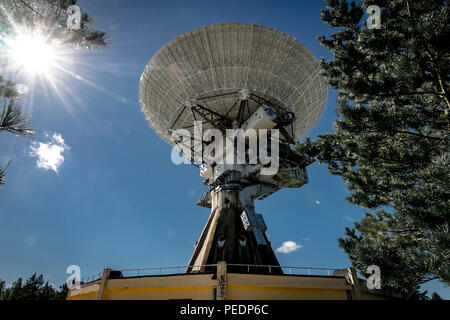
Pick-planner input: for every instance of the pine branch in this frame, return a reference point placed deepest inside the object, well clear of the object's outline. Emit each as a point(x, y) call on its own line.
point(399, 94)
point(407, 132)
point(419, 135)
point(429, 279)
point(30, 7)
point(2, 176)
point(433, 61)
point(13, 120)
point(439, 76)
point(85, 37)
point(3, 173)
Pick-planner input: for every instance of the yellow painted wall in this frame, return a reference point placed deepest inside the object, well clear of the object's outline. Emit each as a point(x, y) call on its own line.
point(197, 287)
point(201, 287)
point(281, 287)
point(87, 292)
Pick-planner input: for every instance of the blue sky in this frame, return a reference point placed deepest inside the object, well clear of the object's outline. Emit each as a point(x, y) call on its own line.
point(116, 200)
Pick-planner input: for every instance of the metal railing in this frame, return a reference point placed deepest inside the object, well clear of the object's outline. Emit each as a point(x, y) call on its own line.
point(92, 278)
point(286, 270)
point(162, 270)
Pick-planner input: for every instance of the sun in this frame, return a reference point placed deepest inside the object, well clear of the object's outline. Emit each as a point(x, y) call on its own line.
point(33, 53)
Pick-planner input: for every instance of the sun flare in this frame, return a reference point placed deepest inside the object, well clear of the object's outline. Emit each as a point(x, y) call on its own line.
point(33, 53)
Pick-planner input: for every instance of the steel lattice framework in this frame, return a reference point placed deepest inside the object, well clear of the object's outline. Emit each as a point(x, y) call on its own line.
point(208, 68)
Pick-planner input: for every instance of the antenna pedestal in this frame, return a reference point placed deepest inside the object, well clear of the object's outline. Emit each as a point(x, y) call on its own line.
point(224, 238)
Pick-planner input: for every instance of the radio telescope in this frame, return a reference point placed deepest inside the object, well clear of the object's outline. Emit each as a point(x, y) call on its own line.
point(235, 76)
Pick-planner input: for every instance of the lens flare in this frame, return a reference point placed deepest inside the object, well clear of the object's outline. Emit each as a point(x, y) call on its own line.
point(49, 67)
point(33, 53)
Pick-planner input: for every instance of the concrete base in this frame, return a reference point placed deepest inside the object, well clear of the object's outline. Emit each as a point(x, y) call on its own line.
point(228, 286)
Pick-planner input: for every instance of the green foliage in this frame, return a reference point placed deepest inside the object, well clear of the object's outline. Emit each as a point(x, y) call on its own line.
point(33, 289)
point(12, 118)
point(50, 18)
point(2, 290)
point(435, 296)
point(2, 175)
point(391, 139)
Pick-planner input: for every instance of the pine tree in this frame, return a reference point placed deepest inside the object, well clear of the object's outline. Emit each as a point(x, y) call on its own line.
point(62, 293)
point(15, 292)
point(435, 296)
point(391, 139)
point(50, 18)
point(2, 290)
point(33, 289)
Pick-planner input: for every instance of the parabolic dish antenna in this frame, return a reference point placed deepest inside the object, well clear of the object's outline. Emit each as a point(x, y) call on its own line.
point(250, 79)
point(213, 66)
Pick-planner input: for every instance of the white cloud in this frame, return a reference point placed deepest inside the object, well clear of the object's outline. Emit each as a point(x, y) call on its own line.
point(307, 239)
point(288, 247)
point(49, 155)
